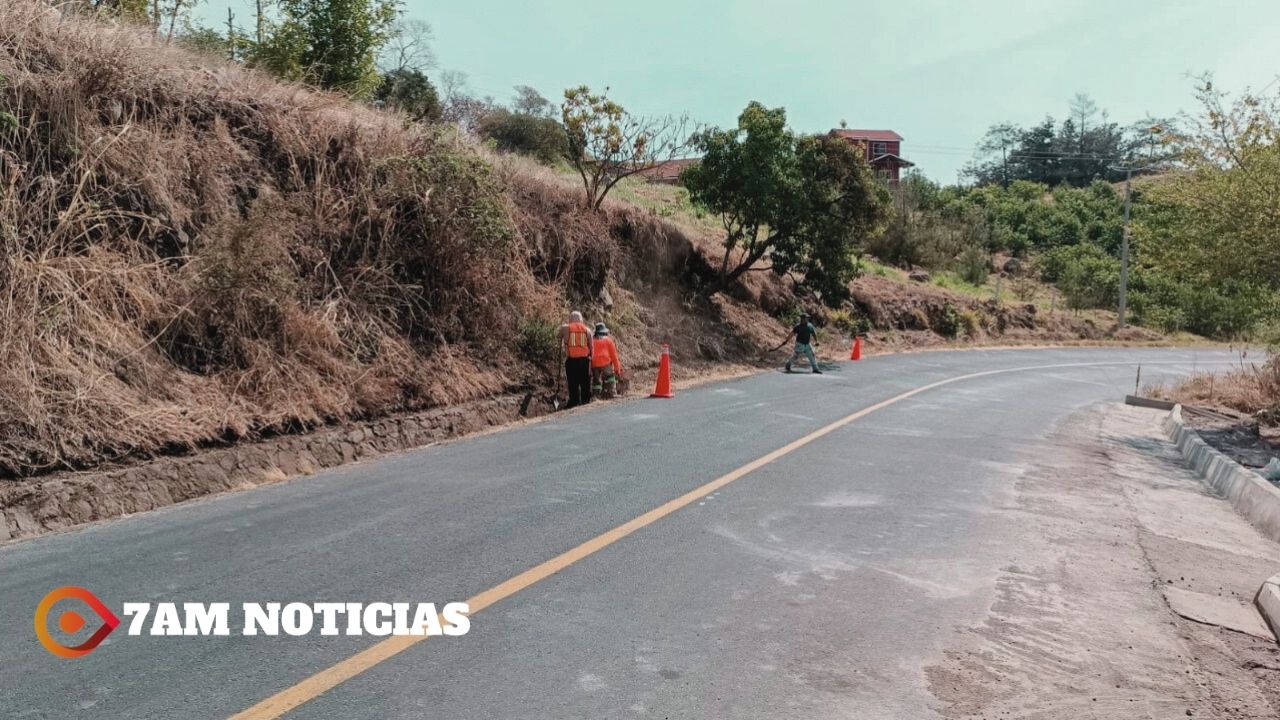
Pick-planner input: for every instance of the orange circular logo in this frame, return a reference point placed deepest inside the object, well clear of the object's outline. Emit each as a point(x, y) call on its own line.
point(71, 622)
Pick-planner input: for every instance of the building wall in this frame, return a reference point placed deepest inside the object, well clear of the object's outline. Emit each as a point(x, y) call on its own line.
point(873, 149)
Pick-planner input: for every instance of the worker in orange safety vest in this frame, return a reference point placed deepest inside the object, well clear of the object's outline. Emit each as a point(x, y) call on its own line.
point(575, 338)
point(606, 366)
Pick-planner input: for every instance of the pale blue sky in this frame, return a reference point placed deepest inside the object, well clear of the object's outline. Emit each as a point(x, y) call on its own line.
point(937, 71)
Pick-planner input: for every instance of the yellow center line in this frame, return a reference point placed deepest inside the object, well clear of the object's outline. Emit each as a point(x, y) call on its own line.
point(325, 680)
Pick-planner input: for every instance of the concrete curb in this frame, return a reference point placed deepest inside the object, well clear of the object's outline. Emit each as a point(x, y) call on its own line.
point(1251, 495)
point(1268, 603)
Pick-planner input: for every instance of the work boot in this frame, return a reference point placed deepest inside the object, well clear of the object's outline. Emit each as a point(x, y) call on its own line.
point(786, 368)
point(816, 371)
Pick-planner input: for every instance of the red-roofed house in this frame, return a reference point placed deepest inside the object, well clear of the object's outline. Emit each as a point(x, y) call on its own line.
point(883, 149)
point(668, 172)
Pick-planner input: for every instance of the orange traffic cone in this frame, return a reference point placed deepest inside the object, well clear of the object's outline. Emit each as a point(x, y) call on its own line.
point(663, 388)
point(856, 352)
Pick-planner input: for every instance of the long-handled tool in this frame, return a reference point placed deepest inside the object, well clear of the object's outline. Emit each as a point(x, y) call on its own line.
point(773, 350)
point(555, 400)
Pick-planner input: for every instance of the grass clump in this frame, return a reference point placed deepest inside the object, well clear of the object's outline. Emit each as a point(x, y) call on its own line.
point(974, 266)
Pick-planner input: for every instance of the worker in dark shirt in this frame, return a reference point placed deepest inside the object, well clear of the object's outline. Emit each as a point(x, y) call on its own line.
point(805, 334)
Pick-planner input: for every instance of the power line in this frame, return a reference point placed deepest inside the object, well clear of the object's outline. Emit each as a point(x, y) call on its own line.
point(1047, 155)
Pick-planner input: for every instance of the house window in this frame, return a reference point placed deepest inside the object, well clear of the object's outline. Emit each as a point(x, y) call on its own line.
point(884, 174)
point(879, 148)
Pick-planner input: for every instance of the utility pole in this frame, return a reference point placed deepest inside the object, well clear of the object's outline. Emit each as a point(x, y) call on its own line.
point(231, 35)
point(1124, 244)
point(258, 30)
point(1004, 163)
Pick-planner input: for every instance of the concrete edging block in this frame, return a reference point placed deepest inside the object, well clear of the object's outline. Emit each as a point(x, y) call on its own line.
point(1251, 495)
point(1268, 603)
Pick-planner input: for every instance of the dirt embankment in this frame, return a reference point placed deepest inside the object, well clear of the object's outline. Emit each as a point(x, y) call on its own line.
point(914, 314)
point(195, 254)
point(198, 262)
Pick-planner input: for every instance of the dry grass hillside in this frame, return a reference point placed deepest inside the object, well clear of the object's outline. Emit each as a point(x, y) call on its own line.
point(194, 253)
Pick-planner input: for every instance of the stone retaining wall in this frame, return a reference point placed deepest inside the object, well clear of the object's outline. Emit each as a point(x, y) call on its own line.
point(35, 506)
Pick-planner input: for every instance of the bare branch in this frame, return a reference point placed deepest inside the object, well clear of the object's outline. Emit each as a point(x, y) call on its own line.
point(409, 47)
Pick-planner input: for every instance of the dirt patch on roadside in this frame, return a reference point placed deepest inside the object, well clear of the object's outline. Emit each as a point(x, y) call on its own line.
point(1080, 626)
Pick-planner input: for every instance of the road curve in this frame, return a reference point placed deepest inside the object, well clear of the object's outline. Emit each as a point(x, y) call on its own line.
point(803, 584)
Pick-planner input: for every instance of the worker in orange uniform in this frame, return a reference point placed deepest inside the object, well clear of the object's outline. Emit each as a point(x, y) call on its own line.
point(575, 337)
point(606, 366)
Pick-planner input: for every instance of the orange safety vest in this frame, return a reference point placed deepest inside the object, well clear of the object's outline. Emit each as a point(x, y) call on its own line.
point(578, 342)
point(605, 353)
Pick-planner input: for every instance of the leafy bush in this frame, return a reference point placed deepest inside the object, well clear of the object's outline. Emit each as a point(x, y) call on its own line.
point(1090, 281)
point(1230, 310)
point(538, 137)
point(330, 44)
point(949, 322)
point(923, 231)
point(1268, 334)
point(537, 339)
point(1055, 263)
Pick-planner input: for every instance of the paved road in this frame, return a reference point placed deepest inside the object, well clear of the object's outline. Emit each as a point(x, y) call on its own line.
point(815, 586)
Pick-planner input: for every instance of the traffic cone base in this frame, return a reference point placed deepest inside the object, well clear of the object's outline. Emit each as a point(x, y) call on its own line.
point(855, 353)
point(663, 387)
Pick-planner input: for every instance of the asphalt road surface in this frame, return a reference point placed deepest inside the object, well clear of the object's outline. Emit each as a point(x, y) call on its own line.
point(817, 584)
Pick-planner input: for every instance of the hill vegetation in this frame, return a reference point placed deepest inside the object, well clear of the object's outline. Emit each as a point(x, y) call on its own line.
point(195, 252)
point(1202, 256)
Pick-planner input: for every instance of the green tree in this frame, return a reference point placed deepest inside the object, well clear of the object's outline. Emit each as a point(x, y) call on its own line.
point(330, 43)
point(206, 41)
point(1205, 237)
point(804, 203)
point(606, 143)
point(410, 92)
point(1218, 220)
point(1084, 147)
point(534, 135)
